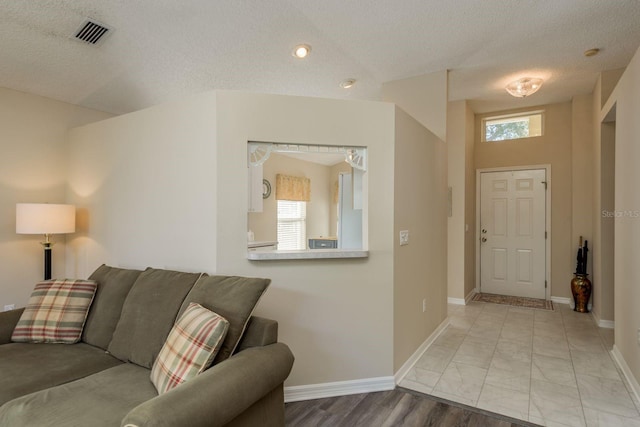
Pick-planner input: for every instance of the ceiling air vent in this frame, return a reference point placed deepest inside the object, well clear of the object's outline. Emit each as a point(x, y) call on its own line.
point(91, 32)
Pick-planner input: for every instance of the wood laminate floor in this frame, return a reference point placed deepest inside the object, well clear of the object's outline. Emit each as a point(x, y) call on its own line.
point(399, 407)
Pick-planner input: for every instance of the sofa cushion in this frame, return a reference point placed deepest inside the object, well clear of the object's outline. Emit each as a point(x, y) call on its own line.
point(56, 312)
point(113, 286)
point(233, 298)
point(148, 314)
point(27, 368)
point(192, 344)
point(102, 399)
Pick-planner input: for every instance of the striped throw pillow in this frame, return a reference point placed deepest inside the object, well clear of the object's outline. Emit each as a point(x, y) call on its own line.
point(190, 347)
point(56, 312)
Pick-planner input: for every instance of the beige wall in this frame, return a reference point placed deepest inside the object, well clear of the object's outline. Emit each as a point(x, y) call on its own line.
point(596, 249)
point(420, 206)
point(456, 171)
point(607, 82)
point(32, 170)
point(424, 97)
point(470, 204)
point(582, 170)
point(336, 315)
point(553, 148)
point(604, 290)
point(462, 179)
point(582, 167)
point(627, 199)
point(146, 182)
point(155, 188)
point(603, 187)
point(264, 224)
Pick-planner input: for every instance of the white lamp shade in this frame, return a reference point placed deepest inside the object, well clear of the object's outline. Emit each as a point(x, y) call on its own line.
point(44, 218)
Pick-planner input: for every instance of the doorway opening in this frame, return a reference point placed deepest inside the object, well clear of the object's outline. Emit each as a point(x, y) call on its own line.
point(604, 277)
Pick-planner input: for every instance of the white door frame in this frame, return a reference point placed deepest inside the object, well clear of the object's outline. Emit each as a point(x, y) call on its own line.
point(547, 168)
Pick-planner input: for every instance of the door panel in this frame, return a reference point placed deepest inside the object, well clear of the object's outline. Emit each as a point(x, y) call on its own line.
point(524, 217)
point(499, 264)
point(523, 266)
point(513, 225)
point(499, 217)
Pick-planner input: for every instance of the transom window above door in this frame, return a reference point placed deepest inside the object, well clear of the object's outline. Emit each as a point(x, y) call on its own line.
point(513, 126)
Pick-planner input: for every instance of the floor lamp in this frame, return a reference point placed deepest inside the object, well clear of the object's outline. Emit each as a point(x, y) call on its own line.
point(47, 219)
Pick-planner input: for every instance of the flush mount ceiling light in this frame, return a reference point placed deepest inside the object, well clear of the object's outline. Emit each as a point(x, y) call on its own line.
point(347, 83)
point(301, 51)
point(524, 87)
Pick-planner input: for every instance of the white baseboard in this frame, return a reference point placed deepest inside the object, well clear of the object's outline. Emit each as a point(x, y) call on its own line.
point(413, 359)
point(561, 300)
point(366, 385)
point(462, 301)
point(609, 324)
point(469, 297)
point(570, 302)
point(340, 388)
point(626, 371)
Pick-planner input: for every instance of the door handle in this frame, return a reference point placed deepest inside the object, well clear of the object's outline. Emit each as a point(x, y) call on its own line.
point(484, 230)
point(484, 239)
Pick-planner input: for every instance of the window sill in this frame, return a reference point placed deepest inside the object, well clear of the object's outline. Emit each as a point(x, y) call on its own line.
point(307, 254)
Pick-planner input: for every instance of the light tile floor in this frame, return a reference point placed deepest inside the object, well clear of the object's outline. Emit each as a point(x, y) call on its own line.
point(551, 368)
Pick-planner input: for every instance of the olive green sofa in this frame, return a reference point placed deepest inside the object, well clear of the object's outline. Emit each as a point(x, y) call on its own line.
point(104, 380)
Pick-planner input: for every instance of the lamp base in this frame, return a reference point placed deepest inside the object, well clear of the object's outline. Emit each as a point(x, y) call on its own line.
point(47, 260)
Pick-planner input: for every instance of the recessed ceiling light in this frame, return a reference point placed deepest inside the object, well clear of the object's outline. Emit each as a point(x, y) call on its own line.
point(347, 83)
point(301, 51)
point(591, 52)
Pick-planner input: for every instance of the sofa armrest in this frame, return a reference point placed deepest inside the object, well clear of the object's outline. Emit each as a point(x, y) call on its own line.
point(219, 394)
point(8, 321)
point(259, 332)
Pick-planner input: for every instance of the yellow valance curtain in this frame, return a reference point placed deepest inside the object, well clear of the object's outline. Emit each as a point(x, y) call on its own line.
point(293, 188)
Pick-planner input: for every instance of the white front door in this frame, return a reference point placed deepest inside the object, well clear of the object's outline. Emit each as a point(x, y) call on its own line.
point(512, 233)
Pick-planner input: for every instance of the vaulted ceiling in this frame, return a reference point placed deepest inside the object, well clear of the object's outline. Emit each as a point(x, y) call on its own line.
point(158, 50)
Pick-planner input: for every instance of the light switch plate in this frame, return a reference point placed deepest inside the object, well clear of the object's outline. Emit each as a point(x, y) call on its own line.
point(404, 237)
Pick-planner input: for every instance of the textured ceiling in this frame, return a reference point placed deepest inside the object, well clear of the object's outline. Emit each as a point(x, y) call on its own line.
point(163, 49)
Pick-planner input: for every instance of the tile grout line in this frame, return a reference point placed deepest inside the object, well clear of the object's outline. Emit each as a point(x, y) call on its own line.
point(575, 375)
point(533, 326)
point(454, 354)
point(531, 355)
point(484, 380)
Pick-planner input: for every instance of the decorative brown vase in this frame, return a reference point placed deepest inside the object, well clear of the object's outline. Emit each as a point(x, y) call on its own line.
point(581, 290)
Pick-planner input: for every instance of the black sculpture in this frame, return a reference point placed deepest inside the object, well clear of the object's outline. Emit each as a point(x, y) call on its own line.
point(581, 268)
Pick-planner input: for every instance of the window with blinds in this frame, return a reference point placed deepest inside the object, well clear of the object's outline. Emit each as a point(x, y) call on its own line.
point(292, 227)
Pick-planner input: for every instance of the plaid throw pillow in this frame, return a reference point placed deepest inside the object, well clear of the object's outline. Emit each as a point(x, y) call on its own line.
point(190, 347)
point(56, 312)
